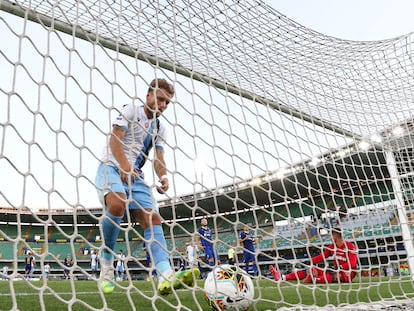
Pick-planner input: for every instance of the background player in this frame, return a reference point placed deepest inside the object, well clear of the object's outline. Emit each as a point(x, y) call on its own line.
point(345, 262)
point(94, 263)
point(248, 240)
point(120, 266)
point(29, 264)
point(205, 243)
point(191, 254)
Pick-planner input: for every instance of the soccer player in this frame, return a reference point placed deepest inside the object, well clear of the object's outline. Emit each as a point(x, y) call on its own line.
point(33, 267)
point(121, 185)
point(120, 266)
point(94, 263)
point(345, 261)
point(191, 252)
point(205, 242)
point(5, 272)
point(152, 273)
point(248, 240)
point(67, 263)
point(230, 255)
point(29, 264)
point(47, 271)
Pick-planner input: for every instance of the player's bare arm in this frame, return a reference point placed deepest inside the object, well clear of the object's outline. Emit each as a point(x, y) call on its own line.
point(115, 143)
point(161, 171)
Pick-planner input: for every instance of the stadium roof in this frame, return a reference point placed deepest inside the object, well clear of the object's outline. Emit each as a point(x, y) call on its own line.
point(340, 169)
point(246, 47)
point(332, 171)
point(75, 216)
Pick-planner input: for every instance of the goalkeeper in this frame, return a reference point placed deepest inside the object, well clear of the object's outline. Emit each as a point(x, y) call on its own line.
point(120, 184)
point(345, 262)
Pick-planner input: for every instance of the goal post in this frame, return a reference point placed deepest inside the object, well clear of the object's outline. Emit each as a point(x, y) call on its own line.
point(273, 126)
point(401, 210)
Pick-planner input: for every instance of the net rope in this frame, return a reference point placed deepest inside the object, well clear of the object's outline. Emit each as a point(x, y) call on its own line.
point(285, 174)
point(250, 45)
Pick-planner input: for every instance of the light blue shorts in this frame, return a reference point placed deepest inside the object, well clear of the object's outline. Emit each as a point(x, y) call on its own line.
point(139, 194)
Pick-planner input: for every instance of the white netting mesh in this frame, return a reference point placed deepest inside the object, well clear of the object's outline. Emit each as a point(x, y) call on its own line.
point(247, 44)
point(295, 131)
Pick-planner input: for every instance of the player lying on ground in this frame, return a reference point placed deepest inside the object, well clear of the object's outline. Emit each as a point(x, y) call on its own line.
point(345, 261)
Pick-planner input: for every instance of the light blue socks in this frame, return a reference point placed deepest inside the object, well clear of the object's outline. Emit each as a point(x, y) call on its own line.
point(154, 237)
point(110, 231)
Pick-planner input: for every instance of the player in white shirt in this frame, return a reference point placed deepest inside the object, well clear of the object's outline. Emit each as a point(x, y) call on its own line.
point(5, 273)
point(122, 188)
point(94, 263)
point(120, 266)
point(191, 255)
point(47, 271)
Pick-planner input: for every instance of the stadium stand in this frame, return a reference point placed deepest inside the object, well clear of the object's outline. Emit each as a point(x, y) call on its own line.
point(284, 230)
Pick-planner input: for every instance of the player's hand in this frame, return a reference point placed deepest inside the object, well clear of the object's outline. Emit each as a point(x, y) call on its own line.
point(127, 175)
point(127, 178)
point(163, 184)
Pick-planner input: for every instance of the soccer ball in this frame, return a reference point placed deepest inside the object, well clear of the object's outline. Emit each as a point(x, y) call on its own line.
point(229, 288)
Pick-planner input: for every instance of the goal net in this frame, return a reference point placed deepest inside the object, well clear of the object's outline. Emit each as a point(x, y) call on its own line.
point(273, 125)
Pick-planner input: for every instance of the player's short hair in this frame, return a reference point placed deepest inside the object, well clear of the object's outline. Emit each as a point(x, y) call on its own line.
point(337, 231)
point(161, 84)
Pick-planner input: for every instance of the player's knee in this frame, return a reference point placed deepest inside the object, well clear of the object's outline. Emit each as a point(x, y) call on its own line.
point(115, 204)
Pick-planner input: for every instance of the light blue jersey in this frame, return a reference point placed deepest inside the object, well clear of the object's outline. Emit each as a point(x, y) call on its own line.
point(141, 133)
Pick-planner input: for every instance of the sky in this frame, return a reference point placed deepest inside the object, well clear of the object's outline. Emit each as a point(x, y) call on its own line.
point(361, 20)
point(56, 156)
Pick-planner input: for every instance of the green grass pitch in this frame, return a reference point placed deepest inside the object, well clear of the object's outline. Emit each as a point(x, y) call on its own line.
point(139, 295)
